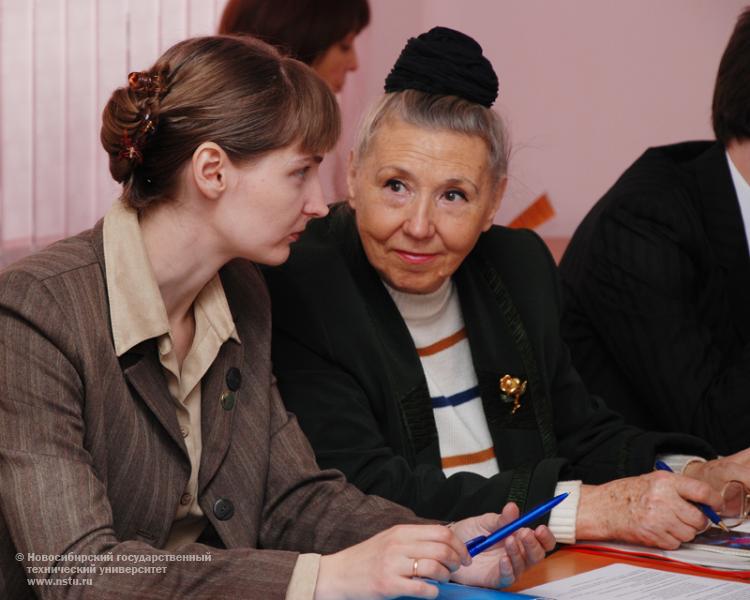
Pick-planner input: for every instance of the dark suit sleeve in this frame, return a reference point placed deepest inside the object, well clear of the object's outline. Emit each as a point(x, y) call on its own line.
point(639, 288)
point(598, 444)
point(339, 419)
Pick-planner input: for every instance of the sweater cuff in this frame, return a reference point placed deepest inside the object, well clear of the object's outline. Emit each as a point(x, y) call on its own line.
point(304, 578)
point(678, 462)
point(562, 519)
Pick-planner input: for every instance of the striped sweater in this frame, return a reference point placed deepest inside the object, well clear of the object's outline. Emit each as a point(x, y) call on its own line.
point(437, 328)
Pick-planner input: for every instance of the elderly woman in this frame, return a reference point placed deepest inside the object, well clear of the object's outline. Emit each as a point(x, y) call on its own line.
point(145, 451)
point(419, 345)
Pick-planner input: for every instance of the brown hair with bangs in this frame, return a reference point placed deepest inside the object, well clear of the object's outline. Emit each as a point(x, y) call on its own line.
point(237, 92)
point(303, 28)
point(731, 102)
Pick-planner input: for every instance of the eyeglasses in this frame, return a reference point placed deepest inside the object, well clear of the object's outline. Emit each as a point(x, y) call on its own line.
point(736, 504)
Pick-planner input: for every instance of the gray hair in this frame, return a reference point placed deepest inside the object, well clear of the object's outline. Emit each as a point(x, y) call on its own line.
point(432, 111)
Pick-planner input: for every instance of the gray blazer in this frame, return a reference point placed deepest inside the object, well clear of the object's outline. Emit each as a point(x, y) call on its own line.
point(92, 460)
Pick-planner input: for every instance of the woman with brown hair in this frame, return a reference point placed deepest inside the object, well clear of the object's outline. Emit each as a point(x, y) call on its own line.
point(320, 33)
point(145, 450)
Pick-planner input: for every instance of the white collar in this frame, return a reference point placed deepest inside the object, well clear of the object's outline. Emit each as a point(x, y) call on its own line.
point(422, 306)
point(742, 188)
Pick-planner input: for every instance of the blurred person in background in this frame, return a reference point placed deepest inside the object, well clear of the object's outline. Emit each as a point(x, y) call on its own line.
point(320, 33)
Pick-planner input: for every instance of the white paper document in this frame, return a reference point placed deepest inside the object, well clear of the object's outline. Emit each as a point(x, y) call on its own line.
point(627, 582)
point(717, 558)
point(713, 548)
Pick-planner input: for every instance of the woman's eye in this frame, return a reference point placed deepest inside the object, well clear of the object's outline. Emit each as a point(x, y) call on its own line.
point(395, 185)
point(454, 195)
point(301, 173)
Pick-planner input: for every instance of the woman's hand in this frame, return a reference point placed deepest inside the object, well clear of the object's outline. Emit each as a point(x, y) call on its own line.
point(654, 509)
point(717, 473)
point(384, 565)
point(502, 564)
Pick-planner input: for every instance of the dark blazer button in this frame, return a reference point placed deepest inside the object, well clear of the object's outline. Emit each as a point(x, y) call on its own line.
point(227, 400)
point(223, 509)
point(234, 379)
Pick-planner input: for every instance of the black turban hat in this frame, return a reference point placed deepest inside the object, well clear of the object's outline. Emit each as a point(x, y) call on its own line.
point(446, 62)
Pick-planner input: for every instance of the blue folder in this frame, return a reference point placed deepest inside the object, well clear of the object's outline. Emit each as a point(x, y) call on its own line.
point(454, 591)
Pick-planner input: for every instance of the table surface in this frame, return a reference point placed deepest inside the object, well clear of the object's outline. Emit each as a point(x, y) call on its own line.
point(565, 563)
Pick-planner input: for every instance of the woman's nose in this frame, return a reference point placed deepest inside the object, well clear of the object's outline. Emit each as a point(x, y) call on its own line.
point(315, 204)
point(353, 60)
point(419, 223)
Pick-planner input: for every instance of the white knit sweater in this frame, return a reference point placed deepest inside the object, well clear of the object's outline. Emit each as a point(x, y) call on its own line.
point(436, 325)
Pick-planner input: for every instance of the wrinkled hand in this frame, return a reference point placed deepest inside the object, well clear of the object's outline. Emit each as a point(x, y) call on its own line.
point(383, 566)
point(653, 510)
point(717, 473)
point(502, 564)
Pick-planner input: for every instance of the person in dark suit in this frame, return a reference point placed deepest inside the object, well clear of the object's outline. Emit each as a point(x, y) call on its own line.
point(418, 344)
point(145, 451)
point(656, 279)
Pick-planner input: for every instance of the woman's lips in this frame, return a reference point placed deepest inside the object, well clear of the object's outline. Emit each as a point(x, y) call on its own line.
point(415, 258)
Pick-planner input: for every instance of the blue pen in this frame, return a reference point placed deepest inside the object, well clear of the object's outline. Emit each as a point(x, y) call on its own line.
point(481, 543)
point(704, 508)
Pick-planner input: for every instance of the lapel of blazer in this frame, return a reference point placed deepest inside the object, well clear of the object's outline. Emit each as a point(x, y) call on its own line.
point(401, 363)
point(216, 413)
point(724, 228)
point(141, 366)
point(145, 376)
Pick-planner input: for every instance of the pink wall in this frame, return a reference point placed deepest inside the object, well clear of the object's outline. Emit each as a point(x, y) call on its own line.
point(585, 85)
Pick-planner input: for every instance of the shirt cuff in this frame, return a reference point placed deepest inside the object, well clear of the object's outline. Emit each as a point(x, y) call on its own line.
point(304, 578)
point(678, 462)
point(562, 519)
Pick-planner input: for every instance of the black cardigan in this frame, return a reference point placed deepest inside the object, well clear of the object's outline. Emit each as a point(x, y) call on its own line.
point(348, 368)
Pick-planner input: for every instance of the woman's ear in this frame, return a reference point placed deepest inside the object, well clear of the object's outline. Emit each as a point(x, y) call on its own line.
point(351, 176)
point(209, 168)
point(497, 196)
